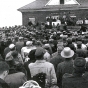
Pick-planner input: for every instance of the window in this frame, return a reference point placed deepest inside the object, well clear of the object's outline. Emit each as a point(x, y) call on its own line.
point(61, 1)
point(32, 20)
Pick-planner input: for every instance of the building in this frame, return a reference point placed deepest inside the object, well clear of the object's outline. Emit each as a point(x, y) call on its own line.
point(39, 10)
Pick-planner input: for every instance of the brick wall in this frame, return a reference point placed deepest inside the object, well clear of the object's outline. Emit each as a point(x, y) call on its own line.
point(41, 15)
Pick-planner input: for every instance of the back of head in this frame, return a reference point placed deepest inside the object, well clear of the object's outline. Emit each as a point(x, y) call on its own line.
point(74, 39)
point(79, 65)
point(14, 54)
point(20, 38)
point(29, 43)
point(32, 55)
point(60, 48)
point(67, 52)
point(72, 47)
point(69, 41)
point(81, 53)
point(39, 53)
point(79, 43)
point(12, 47)
point(47, 47)
point(8, 42)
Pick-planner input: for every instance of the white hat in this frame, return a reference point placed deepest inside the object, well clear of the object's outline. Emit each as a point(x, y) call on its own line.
point(67, 52)
point(20, 38)
point(29, 43)
point(11, 46)
point(30, 84)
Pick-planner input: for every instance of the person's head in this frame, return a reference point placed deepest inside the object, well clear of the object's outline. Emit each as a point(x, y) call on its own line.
point(51, 40)
point(14, 54)
point(59, 49)
point(45, 41)
point(20, 38)
point(31, 55)
point(79, 65)
point(39, 53)
point(74, 39)
point(69, 41)
point(4, 69)
point(12, 47)
point(67, 53)
point(29, 43)
point(64, 39)
point(81, 53)
point(47, 47)
point(9, 41)
point(79, 43)
point(72, 47)
point(16, 38)
point(38, 43)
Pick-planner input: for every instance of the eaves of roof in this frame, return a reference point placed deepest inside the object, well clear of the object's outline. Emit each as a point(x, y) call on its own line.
point(40, 5)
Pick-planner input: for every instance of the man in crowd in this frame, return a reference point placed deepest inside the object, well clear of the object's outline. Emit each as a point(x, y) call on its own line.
point(4, 69)
point(66, 66)
point(29, 46)
point(57, 58)
point(77, 79)
point(41, 66)
point(9, 58)
point(19, 44)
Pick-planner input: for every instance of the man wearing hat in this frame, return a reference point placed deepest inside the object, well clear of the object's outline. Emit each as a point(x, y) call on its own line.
point(79, 51)
point(29, 46)
point(4, 69)
point(57, 58)
point(12, 48)
point(19, 44)
point(41, 66)
point(7, 49)
point(66, 66)
point(9, 57)
point(77, 79)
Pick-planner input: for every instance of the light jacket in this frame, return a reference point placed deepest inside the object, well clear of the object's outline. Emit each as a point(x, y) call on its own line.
point(41, 66)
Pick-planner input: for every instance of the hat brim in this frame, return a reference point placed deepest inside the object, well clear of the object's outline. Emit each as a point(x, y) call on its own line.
point(69, 56)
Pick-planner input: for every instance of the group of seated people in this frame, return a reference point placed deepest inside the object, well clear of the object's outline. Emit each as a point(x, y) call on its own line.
point(56, 60)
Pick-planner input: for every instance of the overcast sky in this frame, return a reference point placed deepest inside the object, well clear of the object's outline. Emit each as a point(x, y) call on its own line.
point(9, 16)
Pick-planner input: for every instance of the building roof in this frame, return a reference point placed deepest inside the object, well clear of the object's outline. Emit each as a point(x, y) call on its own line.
point(40, 5)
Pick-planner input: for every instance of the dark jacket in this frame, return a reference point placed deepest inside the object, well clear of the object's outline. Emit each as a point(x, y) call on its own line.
point(16, 80)
point(19, 45)
point(74, 81)
point(81, 53)
point(6, 50)
point(62, 68)
point(56, 60)
point(3, 84)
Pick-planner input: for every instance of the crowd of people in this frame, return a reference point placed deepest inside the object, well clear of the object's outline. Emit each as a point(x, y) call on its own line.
point(53, 58)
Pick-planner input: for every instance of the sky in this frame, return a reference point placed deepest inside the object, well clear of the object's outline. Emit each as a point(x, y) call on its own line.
point(9, 16)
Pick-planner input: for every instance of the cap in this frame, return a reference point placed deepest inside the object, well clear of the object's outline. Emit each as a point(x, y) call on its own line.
point(29, 43)
point(11, 46)
point(39, 51)
point(79, 62)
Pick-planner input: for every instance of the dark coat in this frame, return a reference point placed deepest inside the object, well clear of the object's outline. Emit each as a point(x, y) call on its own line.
point(3, 84)
point(19, 45)
point(56, 60)
point(6, 50)
point(32, 59)
point(81, 53)
point(16, 80)
point(62, 68)
point(74, 81)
